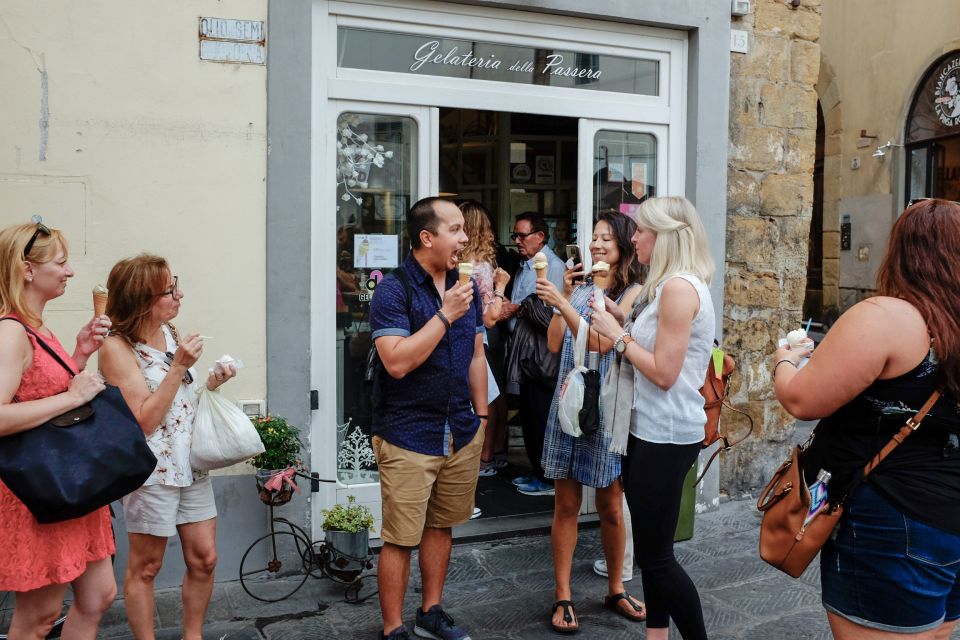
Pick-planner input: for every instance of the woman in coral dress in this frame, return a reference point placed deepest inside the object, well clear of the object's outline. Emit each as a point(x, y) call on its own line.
point(40, 560)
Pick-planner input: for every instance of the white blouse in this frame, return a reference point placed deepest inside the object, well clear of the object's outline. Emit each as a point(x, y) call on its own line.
point(674, 416)
point(171, 441)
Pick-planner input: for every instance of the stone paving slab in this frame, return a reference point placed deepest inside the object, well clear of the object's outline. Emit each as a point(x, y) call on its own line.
point(502, 590)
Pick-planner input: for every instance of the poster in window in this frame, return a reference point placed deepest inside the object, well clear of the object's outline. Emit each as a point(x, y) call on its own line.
point(545, 169)
point(638, 178)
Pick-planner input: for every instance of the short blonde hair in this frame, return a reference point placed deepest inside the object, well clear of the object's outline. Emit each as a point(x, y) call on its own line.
point(681, 245)
point(13, 240)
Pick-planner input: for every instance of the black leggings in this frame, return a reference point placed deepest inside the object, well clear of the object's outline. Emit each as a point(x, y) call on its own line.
point(653, 481)
point(535, 399)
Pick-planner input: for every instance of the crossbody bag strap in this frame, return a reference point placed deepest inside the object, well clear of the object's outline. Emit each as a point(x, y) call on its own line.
point(911, 425)
point(43, 344)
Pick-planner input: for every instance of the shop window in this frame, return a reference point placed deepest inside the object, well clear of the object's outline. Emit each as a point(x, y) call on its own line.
point(376, 178)
point(624, 170)
point(932, 136)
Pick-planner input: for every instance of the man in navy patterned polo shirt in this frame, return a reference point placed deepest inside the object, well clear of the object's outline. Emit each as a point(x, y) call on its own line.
point(428, 430)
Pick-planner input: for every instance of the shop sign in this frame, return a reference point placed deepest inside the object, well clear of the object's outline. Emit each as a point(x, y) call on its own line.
point(451, 57)
point(947, 101)
point(936, 106)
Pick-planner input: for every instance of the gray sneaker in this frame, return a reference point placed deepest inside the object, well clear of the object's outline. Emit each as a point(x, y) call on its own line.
point(437, 625)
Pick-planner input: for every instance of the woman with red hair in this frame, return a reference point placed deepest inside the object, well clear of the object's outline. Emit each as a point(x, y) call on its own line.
point(892, 566)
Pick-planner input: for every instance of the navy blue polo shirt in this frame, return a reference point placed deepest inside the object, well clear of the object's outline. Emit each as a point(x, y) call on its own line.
point(430, 403)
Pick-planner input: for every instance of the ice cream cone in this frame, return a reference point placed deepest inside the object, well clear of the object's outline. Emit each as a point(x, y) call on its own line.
point(601, 275)
point(540, 265)
point(465, 269)
point(99, 300)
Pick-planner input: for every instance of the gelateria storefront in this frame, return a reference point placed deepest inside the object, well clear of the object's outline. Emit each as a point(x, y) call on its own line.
point(521, 111)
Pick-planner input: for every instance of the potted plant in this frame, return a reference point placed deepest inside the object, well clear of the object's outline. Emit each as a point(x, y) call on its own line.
point(281, 443)
point(347, 529)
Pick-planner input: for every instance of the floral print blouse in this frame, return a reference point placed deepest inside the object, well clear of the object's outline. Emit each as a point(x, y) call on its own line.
point(171, 441)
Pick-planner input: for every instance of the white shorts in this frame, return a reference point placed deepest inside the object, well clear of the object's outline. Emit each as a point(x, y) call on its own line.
point(158, 509)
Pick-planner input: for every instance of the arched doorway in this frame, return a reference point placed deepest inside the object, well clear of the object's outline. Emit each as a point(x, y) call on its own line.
point(932, 135)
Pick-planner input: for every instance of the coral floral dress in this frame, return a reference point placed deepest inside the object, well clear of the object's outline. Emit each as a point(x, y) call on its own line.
point(37, 555)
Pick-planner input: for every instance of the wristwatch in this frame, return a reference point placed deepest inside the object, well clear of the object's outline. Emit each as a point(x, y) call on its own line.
point(620, 344)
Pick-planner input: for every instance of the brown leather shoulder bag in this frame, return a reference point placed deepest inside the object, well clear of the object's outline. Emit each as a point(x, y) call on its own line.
point(785, 541)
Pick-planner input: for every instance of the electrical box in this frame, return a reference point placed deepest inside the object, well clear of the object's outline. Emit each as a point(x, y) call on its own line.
point(253, 408)
point(845, 233)
point(740, 7)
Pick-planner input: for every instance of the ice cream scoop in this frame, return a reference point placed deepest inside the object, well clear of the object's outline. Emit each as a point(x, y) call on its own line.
point(540, 265)
point(466, 272)
point(601, 274)
point(797, 338)
point(99, 300)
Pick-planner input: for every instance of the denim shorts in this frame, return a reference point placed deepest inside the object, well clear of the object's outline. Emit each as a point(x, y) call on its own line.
point(887, 571)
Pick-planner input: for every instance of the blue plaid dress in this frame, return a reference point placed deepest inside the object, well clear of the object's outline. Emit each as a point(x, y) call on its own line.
point(586, 459)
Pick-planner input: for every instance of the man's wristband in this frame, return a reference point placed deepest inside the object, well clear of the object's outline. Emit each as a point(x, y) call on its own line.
point(780, 362)
point(482, 417)
point(443, 319)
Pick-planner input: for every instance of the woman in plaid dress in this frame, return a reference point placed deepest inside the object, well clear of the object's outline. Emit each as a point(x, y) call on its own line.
point(574, 462)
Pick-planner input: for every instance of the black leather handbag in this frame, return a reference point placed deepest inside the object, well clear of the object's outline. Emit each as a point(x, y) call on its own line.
point(79, 461)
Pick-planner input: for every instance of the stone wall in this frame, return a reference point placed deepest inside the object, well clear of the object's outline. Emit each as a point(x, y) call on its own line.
point(773, 121)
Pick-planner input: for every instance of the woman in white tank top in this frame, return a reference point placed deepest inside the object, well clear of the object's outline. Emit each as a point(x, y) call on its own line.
point(668, 346)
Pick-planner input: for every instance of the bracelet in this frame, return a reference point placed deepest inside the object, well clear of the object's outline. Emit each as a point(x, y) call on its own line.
point(780, 362)
point(497, 294)
point(482, 417)
point(557, 312)
point(443, 319)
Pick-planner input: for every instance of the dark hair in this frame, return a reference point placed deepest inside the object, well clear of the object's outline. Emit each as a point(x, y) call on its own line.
point(922, 267)
point(537, 223)
point(422, 216)
point(628, 269)
point(134, 284)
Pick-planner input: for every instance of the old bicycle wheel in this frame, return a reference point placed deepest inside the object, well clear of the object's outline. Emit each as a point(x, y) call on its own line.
point(277, 564)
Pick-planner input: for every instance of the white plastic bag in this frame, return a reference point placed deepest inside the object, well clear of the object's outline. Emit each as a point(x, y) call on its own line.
point(571, 393)
point(222, 434)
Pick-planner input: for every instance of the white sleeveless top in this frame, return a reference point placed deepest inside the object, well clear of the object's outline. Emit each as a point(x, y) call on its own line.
point(674, 416)
point(170, 442)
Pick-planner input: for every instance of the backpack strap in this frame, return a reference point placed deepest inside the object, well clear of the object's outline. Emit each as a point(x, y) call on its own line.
point(407, 291)
point(43, 344)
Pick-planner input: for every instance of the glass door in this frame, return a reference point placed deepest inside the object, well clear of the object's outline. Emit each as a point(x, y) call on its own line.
point(619, 166)
point(382, 162)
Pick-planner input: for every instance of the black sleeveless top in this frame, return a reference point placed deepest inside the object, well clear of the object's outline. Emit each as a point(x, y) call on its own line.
point(922, 476)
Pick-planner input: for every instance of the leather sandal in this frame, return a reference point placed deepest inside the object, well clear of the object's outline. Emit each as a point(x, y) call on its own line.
point(568, 613)
point(613, 604)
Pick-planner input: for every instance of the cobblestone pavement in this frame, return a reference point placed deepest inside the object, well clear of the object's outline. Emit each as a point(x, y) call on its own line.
point(503, 590)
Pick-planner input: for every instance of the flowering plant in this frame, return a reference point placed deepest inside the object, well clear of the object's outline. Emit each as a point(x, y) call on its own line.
point(281, 441)
point(355, 154)
point(351, 517)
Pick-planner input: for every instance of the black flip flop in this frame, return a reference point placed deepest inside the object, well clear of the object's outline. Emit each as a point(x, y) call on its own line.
point(613, 604)
point(567, 617)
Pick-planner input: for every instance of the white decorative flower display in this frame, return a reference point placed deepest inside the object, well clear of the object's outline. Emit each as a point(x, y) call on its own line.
point(356, 457)
point(355, 155)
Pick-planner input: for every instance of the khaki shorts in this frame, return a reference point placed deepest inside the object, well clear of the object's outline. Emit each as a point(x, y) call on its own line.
point(420, 491)
point(158, 509)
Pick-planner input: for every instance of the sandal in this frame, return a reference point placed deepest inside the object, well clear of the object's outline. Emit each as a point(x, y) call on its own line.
point(568, 614)
point(613, 604)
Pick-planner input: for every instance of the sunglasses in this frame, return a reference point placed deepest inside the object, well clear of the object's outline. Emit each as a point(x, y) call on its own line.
point(516, 237)
point(41, 228)
point(187, 378)
point(914, 201)
point(172, 290)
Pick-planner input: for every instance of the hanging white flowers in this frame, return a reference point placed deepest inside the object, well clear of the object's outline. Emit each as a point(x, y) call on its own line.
point(355, 155)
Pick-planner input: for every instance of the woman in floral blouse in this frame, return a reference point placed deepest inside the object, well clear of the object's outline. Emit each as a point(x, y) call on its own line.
point(153, 368)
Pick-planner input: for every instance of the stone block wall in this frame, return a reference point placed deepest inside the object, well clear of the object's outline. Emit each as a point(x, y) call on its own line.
point(773, 122)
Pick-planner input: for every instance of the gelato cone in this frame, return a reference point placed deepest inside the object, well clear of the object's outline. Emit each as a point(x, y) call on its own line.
point(466, 272)
point(99, 300)
point(601, 274)
point(796, 338)
point(540, 265)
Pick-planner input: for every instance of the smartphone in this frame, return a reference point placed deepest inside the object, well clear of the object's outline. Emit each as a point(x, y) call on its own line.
point(573, 253)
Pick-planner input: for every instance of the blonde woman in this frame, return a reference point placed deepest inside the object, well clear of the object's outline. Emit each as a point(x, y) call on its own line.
point(669, 346)
point(491, 281)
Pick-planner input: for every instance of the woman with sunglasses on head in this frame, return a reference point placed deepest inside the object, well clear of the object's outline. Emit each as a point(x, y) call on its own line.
point(574, 462)
point(892, 566)
point(668, 347)
point(40, 560)
point(153, 367)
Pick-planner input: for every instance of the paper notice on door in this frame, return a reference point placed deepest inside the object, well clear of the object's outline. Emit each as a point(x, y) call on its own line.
point(376, 250)
point(521, 201)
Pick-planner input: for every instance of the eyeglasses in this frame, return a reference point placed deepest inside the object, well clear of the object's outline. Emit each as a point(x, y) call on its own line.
point(41, 228)
point(516, 237)
point(187, 378)
point(172, 290)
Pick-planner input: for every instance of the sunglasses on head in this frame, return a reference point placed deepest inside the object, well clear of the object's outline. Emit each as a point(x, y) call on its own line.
point(187, 378)
point(914, 201)
point(41, 228)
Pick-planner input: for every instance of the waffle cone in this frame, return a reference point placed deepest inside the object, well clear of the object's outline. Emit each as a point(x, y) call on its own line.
point(99, 304)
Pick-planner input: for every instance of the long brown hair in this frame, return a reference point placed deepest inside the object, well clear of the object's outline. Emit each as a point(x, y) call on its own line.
point(923, 268)
point(13, 240)
point(134, 284)
point(628, 269)
point(476, 224)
